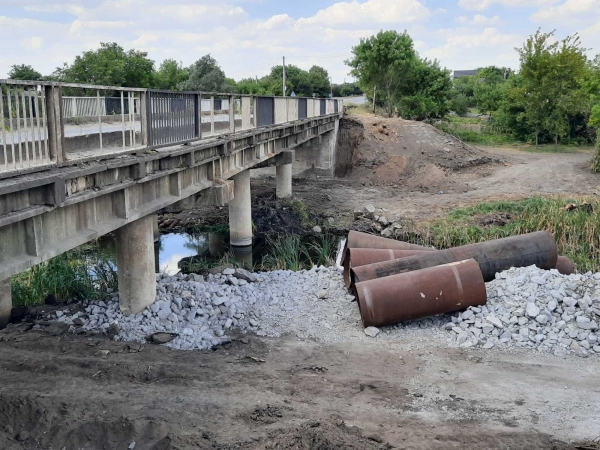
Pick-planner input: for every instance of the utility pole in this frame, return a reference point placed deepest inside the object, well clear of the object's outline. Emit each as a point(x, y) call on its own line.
point(284, 88)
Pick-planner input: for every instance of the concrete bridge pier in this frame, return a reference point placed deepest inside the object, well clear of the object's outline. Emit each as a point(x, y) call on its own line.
point(136, 265)
point(5, 303)
point(240, 211)
point(283, 177)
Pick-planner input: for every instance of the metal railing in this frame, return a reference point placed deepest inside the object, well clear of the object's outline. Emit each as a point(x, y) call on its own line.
point(39, 127)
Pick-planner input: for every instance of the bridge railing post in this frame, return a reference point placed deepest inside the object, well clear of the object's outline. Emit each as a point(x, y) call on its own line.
point(56, 126)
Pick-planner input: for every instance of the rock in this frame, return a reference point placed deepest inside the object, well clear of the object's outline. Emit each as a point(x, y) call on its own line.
point(57, 328)
point(323, 294)
point(228, 271)
point(388, 232)
point(23, 435)
point(532, 310)
point(243, 274)
point(542, 319)
point(161, 338)
point(131, 446)
point(316, 229)
point(371, 331)
point(113, 331)
point(219, 269)
point(495, 321)
point(369, 211)
point(331, 221)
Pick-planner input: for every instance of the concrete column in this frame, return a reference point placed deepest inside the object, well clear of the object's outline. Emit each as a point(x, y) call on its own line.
point(216, 245)
point(135, 265)
point(240, 211)
point(283, 176)
point(5, 303)
point(243, 255)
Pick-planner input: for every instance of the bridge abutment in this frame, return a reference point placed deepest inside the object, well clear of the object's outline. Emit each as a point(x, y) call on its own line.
point(283, 177)
point(240, 211)
point(5, 303)
point(136, 265)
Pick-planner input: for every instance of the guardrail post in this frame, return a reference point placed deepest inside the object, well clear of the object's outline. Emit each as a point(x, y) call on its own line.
point(212, 115)
point(56, 126)
point(144, 118)
point(255, 107)
point(231, 114)
point(198, 115)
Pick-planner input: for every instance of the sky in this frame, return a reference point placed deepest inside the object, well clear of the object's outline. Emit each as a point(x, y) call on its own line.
point(248, 37)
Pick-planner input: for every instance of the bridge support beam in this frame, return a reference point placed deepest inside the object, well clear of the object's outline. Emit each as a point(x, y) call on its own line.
point(5, 303)
point(240, 211)
point(283, 178)
point(135, 265)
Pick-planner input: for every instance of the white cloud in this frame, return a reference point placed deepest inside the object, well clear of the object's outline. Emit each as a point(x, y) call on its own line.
point(277, 21)
point(480, 5)
point(33, 43)
point(464, 49)
point(379, 11)
point(570, 9)
point(480, 20)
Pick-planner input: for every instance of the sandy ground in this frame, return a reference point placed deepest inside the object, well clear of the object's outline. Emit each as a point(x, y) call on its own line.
point(91, 393)
point(86, 392)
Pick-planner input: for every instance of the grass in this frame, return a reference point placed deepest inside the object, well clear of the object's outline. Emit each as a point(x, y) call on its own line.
point(465, 120)
point(78, 274)
point(551, 148)
point(577, 233)
point(474, 137)
point(201, 264)
point(302, 211)
point(289, 252)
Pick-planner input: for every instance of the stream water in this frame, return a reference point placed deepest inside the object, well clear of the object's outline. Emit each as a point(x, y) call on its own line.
point(173, 248)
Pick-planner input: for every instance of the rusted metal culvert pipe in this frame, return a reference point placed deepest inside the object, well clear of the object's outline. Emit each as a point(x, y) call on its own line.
point(356, 239)
point(492, 256)
point(422, 293)
point(565, 266)
point(364, 256)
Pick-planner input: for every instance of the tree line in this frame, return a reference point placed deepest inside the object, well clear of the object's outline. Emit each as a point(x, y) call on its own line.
point(553, 97)
point(111, 65)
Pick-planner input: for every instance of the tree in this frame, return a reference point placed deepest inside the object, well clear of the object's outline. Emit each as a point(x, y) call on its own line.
point(110, 65)
point(427, 91)
point(170, 74)
point(205, 75)
point(552, 73)
point(383, 61)
point(319, 80)
point(24, 72)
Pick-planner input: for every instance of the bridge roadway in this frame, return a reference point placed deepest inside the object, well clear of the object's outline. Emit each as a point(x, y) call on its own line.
point(46, 213)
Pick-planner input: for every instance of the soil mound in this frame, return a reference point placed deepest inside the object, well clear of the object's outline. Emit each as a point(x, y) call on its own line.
point(409, 154)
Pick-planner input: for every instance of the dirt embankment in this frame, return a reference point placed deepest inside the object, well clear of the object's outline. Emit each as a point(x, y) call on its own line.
point(404, 153)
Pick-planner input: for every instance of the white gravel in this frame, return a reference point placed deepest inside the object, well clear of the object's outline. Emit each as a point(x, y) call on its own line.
point(527, 308)
point(533, 308)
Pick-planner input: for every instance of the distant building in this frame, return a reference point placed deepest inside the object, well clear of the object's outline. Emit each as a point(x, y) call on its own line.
point(464, 73)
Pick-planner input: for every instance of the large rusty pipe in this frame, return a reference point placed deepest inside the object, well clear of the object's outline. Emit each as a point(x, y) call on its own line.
point(422, 293)
point(493, 256)
point(356, 239)
point(363, 256)
point(565, 266)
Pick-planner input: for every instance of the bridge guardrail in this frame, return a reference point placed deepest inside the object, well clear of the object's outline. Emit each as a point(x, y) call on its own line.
point(39, 128)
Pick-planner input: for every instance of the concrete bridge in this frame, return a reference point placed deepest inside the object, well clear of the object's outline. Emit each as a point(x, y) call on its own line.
point(60, 189)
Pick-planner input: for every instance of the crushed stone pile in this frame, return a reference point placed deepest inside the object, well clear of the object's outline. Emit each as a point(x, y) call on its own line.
point(533, 308)
point(527, 308)
point(203, 311)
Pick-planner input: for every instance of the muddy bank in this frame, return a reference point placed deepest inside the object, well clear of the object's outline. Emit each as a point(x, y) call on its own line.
point(87, 392)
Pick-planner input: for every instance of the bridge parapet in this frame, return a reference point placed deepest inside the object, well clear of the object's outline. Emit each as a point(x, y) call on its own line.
point(44, 125)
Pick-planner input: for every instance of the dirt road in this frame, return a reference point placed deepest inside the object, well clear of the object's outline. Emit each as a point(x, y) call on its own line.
point(522, 175)
point(83, 392)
